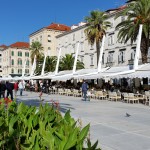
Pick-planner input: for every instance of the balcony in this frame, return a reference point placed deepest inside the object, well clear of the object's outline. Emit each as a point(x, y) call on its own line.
point(110, 64)
point(131, 62)
point(121, 62)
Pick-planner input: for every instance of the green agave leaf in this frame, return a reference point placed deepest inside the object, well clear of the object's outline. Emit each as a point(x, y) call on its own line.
point(12, 121)
point(36, 146)
point(32, 138)
point(48, 139)
point(21, 108)
point(72, 139)
point(84, 132)
point(1, 121)
point(35, 120)
point(67, 116)
point(95, 145)
point(60, 136)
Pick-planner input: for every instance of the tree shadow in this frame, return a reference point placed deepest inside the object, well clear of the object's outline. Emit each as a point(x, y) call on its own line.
point(63, 107)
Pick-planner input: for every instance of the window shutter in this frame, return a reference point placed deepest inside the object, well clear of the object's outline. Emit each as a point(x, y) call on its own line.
point(123, 53)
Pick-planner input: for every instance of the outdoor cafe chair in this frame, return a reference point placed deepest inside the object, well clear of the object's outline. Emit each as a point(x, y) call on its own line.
point(114, 96)
point(100, 95)
point(69, 92)
point(125, 97)
point(132, 98)
point(147, 100)
point(60, 91)
point(77, 93)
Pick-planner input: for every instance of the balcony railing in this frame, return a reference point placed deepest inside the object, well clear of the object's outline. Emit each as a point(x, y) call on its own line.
point(109, 64)
point(131, 61)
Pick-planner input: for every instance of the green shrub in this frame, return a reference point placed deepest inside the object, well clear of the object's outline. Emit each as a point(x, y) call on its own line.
point(25, 127)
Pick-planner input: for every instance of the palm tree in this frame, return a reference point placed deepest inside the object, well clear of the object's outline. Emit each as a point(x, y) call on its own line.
point(137, 12)
point(50, 64)
point(67, 63)
point(39, 65)
point(36, 49)
point(97, 26)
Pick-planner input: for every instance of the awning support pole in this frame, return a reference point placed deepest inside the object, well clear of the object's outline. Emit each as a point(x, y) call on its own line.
point(58, 60)
point(43, 67)
point(137, 53)
point(99, 67)
point(24, 67)
point(33, 66)
point(76, 58)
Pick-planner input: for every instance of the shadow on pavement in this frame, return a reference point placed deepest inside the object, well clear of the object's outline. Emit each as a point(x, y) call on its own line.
point(63, 107)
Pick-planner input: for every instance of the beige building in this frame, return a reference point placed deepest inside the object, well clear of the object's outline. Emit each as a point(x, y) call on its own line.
point(14, 57)
point(2, 47)
point(47, 37)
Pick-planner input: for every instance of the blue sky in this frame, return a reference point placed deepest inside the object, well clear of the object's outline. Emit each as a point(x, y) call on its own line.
point(19, 18)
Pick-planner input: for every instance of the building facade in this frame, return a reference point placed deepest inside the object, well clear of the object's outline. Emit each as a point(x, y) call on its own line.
point(2, 47)
point(68, 42)
point(14, 58)
point(47, 37)
point(115, 53)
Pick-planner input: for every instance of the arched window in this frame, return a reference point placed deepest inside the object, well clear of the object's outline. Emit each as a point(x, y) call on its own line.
point(27, 63)
point(19, 71)
point(27, 71)
point(19, 62)
point(12, 53)
point(12, 62)
point(12, 70)
point(49, 38)
point(27, 54)
point(19, 53)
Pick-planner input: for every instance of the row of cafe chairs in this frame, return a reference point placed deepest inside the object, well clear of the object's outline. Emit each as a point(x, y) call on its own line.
point(130, 98)
point(136, 98)
point(112, 96)
point(69, 92)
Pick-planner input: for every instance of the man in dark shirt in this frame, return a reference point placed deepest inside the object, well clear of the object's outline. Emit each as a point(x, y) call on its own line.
point(9, 87)
point(2, 89)
point(84, 89)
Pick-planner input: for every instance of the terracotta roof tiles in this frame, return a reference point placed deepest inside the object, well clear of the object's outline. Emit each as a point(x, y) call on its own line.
point(117, 9)
point(59, 27)
point(20, 45)
point(3, 46)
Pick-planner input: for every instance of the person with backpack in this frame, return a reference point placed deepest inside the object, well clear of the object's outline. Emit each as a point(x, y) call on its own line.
point(9, 88)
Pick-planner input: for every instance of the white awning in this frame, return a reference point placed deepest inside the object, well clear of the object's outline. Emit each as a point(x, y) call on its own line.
point(142, 72)
point(106, 72)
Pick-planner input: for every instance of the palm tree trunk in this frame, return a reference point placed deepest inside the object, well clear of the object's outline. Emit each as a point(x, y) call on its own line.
point(144, 49)
point(98, 50)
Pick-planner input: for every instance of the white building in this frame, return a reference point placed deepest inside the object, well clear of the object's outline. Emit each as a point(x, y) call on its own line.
point(68, 42)
point(115, 53)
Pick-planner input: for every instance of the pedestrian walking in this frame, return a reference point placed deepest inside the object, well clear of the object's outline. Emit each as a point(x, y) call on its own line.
point(84, 89)
point(21, 87)
point(2, 89)
point(15, 88)
point(9, 88)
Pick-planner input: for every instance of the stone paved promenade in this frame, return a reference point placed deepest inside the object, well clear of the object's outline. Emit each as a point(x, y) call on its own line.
point(108, 120)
